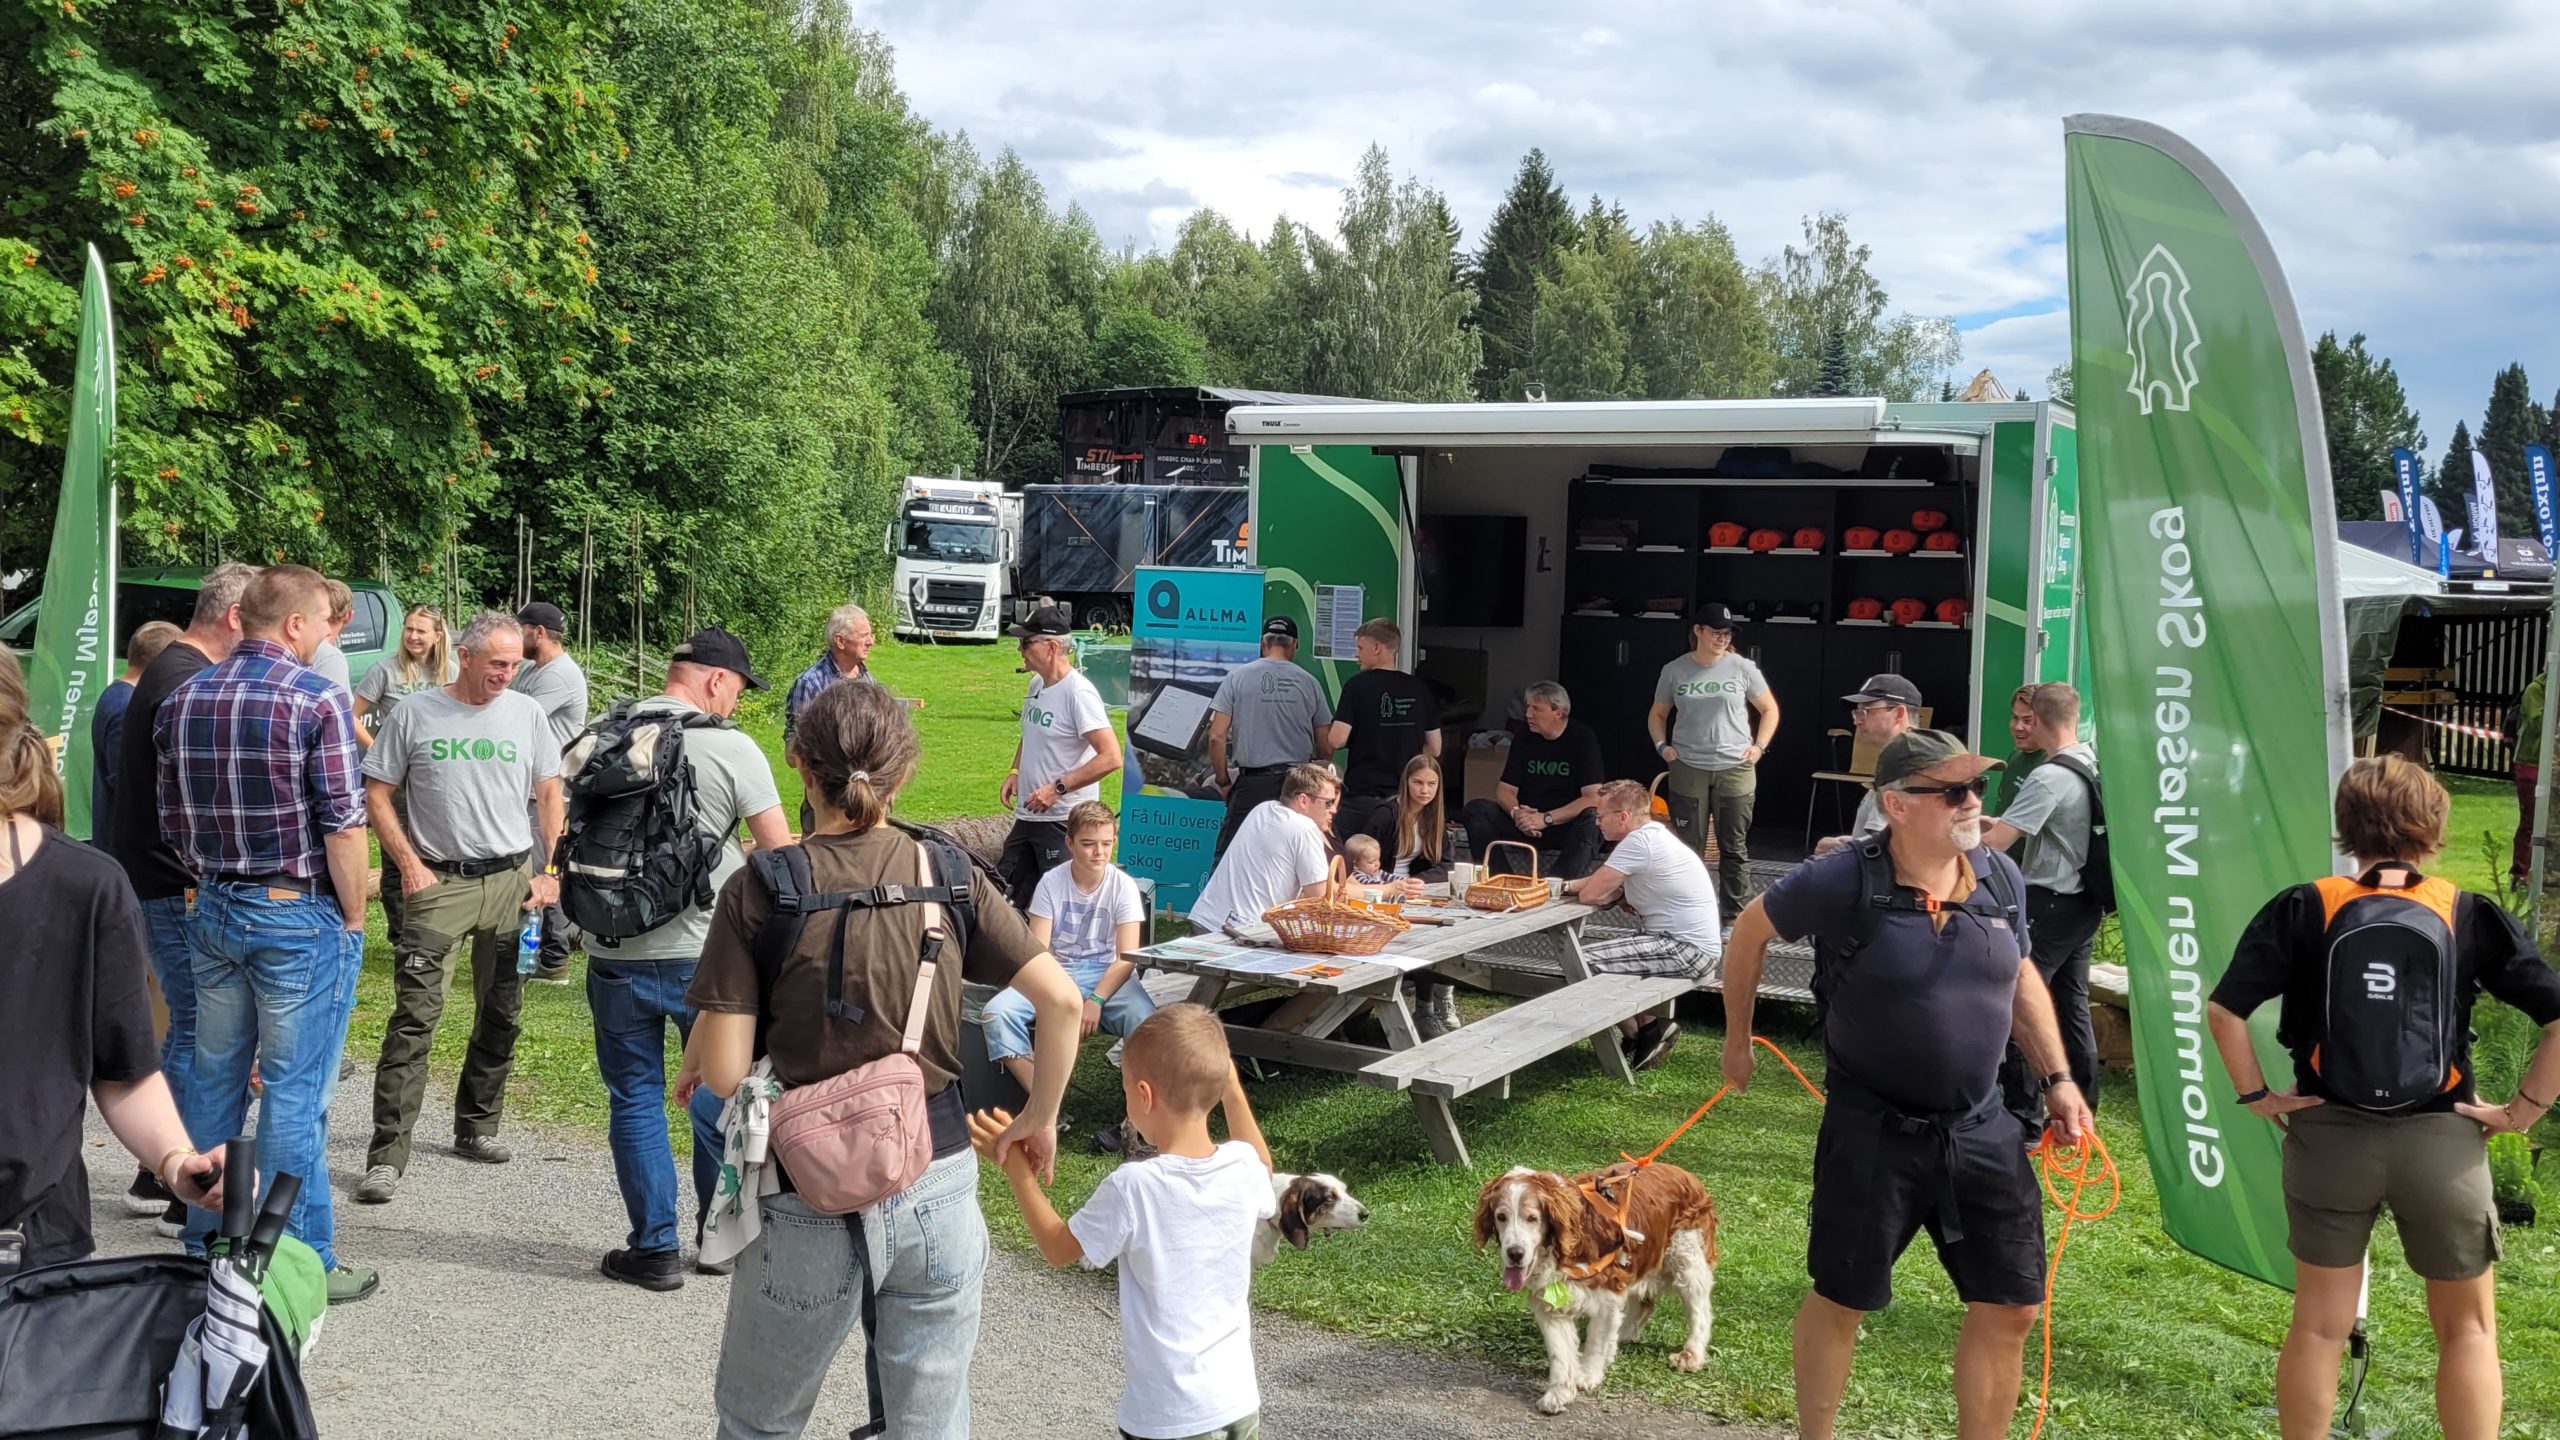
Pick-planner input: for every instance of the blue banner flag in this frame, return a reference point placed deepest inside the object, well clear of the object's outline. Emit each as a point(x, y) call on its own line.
point(2404, 468)
point(2537, 468)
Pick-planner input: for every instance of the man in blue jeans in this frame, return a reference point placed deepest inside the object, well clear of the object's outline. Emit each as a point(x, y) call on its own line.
point(160, 880)
point(260, 798)
point(636, 987)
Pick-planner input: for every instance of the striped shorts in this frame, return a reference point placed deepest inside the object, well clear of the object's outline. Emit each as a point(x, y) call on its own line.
point(1646, 953)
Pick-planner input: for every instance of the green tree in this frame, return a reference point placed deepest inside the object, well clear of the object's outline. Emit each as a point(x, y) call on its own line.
point(1824, 289)
point(1698, 330)
point(1390, 315)
point(1016, 304)
point(1833, 378)
point(2513, 421)
point(2057, 382)
point(1136, 346)
point(1578, 349)
point(2366, 415)
point(2453, 477)
point(1523, 245)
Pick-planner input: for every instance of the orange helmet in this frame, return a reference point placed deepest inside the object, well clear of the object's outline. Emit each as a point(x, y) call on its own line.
point(1866, 607)
point(1954, 611)
point(1900, 542)
point(1809, 538)
point(1860, 537)
point(1942, 540)
point(1767, 539)
point(1724, 535)
point(1927, 520)
point(1906, 610)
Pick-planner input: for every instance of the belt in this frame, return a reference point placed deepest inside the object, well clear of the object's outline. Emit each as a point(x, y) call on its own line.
point(299, 884)
point(1281, 768)
point(475, 869)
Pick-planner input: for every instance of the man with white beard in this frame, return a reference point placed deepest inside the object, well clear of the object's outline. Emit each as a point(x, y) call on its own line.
point(1925, 975)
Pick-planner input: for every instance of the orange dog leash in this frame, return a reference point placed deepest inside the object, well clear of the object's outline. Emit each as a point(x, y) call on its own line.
point(2056, 1164)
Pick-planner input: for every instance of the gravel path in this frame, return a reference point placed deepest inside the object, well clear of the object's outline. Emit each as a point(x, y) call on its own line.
point(493, 1321)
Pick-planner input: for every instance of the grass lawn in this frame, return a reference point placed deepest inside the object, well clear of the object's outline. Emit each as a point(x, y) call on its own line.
point(2151, 1341)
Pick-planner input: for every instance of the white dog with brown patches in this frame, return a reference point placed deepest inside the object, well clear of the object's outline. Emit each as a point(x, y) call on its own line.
point(1602, 1248)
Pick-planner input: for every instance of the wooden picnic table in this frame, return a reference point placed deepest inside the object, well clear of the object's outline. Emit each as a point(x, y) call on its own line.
point(1328, 990)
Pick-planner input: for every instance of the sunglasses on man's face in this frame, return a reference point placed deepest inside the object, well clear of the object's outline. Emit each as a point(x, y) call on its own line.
point(1954, 795)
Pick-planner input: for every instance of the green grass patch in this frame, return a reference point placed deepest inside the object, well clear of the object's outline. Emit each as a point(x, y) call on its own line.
point(2151, 1341)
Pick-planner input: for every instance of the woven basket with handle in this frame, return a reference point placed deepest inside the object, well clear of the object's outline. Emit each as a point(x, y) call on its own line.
point(1508, 892)
point(1334, 923)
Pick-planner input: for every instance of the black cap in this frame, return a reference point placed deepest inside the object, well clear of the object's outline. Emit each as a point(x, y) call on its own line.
point(1049, 620)
point(1714, 617)
point(544, 614)
point(1281, 626)
point(720, 650)
point(1892, 689)
point(1932, 755)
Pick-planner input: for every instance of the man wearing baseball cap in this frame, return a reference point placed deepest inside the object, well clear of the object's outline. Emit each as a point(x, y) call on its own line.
point(552, 678)
point(1713, 718)
point(636, 988)
point(1268, 715)
point(1923, 964)
point(1880, 709)
point(1066, 748)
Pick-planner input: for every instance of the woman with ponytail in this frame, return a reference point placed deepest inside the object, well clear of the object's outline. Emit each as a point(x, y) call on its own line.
point(806, 1277)
point(76, 1024)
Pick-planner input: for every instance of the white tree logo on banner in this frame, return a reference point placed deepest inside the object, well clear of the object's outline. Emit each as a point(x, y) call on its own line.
point(2161, 332)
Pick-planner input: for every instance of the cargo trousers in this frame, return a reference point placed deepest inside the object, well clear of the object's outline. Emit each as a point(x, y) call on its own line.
point(436, 924)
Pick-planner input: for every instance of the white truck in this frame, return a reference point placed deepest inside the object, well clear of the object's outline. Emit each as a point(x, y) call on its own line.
point(954, 543)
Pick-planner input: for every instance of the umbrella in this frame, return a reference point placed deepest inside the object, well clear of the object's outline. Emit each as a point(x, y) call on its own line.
point(225, 1350)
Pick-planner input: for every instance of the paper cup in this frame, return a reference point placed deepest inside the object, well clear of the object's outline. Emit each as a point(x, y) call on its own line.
point(1460, 877)
point(1555, 887)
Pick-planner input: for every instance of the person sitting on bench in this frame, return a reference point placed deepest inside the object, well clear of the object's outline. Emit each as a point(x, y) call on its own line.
point(1549, 787)
point(1665, 883)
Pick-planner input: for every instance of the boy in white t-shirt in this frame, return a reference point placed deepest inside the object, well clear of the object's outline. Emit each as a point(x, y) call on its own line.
point(1653, 873)
point(1089, 914)
point(1179, 1226)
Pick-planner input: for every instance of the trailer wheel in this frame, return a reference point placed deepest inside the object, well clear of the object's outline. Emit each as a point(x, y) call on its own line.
point(1111, 614)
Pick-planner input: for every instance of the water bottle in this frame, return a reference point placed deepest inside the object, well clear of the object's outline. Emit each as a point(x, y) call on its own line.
point(529, 943)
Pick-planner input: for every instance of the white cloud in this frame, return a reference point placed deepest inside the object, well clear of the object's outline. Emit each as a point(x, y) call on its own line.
point(2404, 159)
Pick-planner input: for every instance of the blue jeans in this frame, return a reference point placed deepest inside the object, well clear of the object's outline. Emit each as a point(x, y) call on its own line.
point(275, 981)
point(164, 931)
point(633, 1001)
point(1008, 1022)
point(921, 1255)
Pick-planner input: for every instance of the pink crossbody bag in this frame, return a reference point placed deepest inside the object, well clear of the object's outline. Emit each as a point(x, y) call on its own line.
point(855, 1140)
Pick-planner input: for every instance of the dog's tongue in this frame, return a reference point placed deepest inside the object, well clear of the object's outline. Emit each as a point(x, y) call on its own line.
point(1514, 1276)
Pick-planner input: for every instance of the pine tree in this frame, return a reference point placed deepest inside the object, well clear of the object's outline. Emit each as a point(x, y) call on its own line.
point(2504, 432)
point(2366, 416)
point(1525, 243)
point(2453, 479)
point(1947, 390)
point(1834, 376)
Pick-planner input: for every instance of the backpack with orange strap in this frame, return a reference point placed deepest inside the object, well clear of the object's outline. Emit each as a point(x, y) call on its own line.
point(2390, 1007)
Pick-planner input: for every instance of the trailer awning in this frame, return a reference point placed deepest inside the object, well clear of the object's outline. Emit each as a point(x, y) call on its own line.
point(1584, 424)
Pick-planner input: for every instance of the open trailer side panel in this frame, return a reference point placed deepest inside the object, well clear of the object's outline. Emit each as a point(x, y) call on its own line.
point(1330, 533)
point(2004, 629)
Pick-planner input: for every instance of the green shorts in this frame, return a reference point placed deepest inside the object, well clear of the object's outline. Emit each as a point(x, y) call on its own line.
point(2342, 1166)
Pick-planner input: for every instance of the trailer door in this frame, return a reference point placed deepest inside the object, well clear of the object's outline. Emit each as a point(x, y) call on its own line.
point(1329, 532)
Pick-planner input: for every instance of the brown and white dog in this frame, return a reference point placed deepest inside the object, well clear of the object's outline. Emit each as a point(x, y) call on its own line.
point(1562, 1239)
point(1305, 1204)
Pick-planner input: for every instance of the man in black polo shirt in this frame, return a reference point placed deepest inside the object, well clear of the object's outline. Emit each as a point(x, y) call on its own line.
point(1549, 797)
point(1384, 718)
point(1922, 962)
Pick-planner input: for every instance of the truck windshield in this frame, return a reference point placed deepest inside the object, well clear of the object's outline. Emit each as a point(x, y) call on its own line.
point(961, 541)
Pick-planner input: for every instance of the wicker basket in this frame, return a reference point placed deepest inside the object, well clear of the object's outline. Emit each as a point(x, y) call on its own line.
point(1508, 892)
point(1333, 923)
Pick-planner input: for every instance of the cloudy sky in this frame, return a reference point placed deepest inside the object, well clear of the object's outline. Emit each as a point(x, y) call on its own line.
point(2405, 157)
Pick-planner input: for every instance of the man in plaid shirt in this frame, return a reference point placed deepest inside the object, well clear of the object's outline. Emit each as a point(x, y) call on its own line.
point(261, 798)
point(847, 657)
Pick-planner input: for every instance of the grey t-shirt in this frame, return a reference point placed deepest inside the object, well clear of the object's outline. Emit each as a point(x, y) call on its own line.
point(1870, 821)
point(731, 781)
point(1274, 707)
point(331, 662)
point(560, 688)
point(468, 770)
point(382, 689)
point(2052, 811)
point(1710, 708)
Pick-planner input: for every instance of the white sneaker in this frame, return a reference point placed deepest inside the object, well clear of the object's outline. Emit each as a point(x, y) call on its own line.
point(1444, 1004)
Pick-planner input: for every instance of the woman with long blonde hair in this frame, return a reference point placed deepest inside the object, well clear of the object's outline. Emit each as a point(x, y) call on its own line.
point(1412, 831)
point(424, 660)
point(77, 1022)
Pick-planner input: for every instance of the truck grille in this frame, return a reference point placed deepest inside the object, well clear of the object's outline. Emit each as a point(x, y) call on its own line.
point(952, 601)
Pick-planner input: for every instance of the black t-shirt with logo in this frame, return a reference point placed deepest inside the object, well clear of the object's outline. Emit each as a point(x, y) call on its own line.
point(1389, 712)
point(148, 861)
point(1551, 774)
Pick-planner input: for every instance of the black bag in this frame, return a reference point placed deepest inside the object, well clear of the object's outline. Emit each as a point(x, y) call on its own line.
point(784, 873)
point(2391, 1012)
point(631, 857)
point(85, 1347)
point(2097, 868)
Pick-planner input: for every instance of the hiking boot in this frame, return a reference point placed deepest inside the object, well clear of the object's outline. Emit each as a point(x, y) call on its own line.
point(1652, 1040)
point(172, 1222)
point(648, 1269)
point(487, 1149)
point(1444, 1005)
point(146, 1196)
point(551, 974)
point(380, 1183)
point(350, 1283)
point(714, 1267)
point(1426, 1021)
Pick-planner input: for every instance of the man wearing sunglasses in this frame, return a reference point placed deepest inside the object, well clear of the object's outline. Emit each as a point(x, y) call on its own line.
point(1925, 974)
point(1882, 708)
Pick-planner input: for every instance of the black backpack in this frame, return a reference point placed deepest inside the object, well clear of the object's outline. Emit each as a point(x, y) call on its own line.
point(2097, 868)
point(2391, 1016)
point(784, 873)
point(631, 857)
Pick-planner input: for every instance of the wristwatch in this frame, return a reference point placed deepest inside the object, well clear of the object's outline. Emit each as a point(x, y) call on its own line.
point(1661, 745)
point(2056, 1078)
point(2253, 1097)
point(1546, 817)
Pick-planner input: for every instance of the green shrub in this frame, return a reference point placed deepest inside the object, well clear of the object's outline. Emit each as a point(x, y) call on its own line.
point(2511, 1171)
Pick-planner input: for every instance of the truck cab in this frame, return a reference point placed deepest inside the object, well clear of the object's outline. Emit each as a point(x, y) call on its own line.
point(953, 543)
